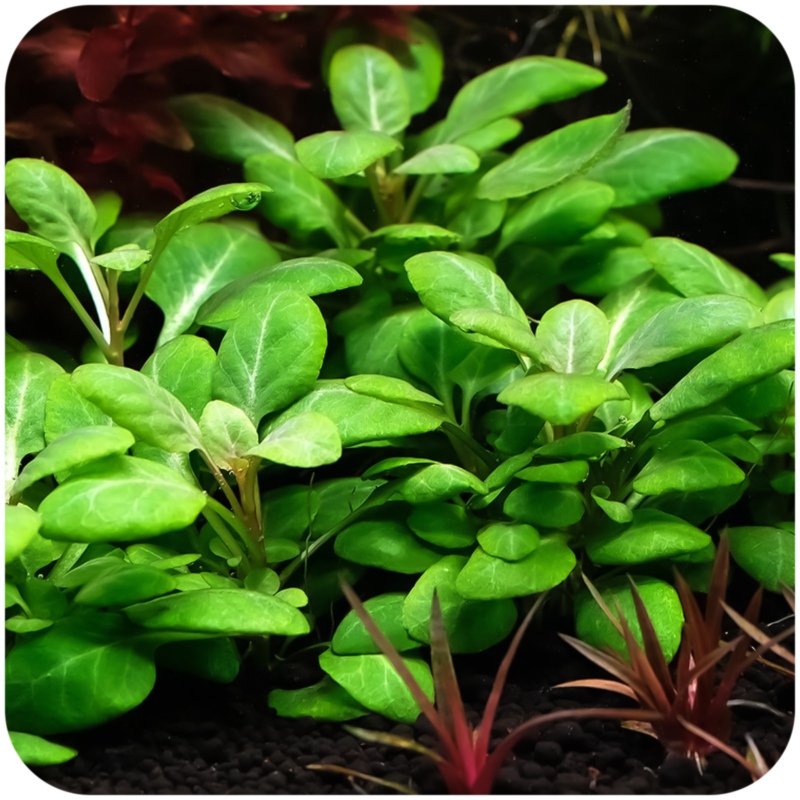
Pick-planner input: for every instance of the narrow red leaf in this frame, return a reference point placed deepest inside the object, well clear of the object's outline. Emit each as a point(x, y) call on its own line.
point(57, 50)
point(103, 62)
point(652, 646)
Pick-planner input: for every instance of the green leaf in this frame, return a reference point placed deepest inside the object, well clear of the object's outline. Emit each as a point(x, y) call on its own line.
point(485, 577)
point(392, 390)
point(766, 553)
point(37, 752)
point(227, 433)
point(694, 271)
point(352, 638)
point(441, 159)
point(780, 306)
point(447, 283)
point(120, 498)
point(66, 410)
point(83, 671)
point(491, 136)
point(307, 440)
point(558, 398)
point(24, 251)
point(197, 263)
point(299, 202)
point(439, 482)
point(107, 205)
point(660, 599)
point(499, 329)
point(226, 129)
point(136, 402)
point(270, 355)
point(223, 612)
point(768, 396)
point(651, 536)
point(325, 700)
point(613, 509)
point(686, 466)
point(508, 540)
point(215, 660)
point(125, 583)
point(336, 154)
point(395, 244)
point(751, 357)
point(442, 524)
point(358, 417)
point(553, 157)
point(52, 204)
point(127, 258)
point(683, 327)
point(471, 626)
point(373, 682)
point(183, 367)
point(289, 511)
point(545, 504)
point(558, 215)
point(28, 379)
point(568, 472)
point(373, 347)
point(22, 525)
point(387, 544)
point(73, 450)
point(519, 85)
point(210, 204)
point(784, 260)
point(368, 91)
point(310, 276)
point(586, 444)
point(649, 165)
point(478, 218)
point(573, 337)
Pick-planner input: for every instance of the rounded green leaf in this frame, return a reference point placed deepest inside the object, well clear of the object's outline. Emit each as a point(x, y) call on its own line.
point(439, 482)
point(781, 306)
point(613, 509)
point(82, 671)
point(52, 204)
point(392, 390)
point(568, 472)
point(373, 682)
point(499, 330)
point(224, 612)
point(73, 450)
point(307, 440)
point(136, 402)
point(67, 410)
point(660, 599)
point(24, 251)
point(324, 700)
point(310, 276)
point(228, 130)
point(545, 504)
point(271, 355)
point(520, 85)
point(652, 535)
point(126, 258)
point(125, 583)
point(471, 626)
point(573, 337)
point(766, 553)
point(442, 524)
point(227, 433)
point(22, 525)
point(648, 165)
point(387, 544)
point(485, 577)
point(120, 498)
point(753, 356)
point(336, 154)
point(441, 159)
point(37, 752)
point(553, 157)
point(686, 466)
point(559, 398)
point(492, 136)
point(585, 444)
point(368, 91)
point(352, 638)
point(508, 540)
point(289, 511)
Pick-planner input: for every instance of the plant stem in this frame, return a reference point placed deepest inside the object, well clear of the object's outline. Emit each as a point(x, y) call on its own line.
point(239, 527)
point(377, 194)
point(219, 528)
point(116, 343)
point(464, 438)
point(138, 293)
point(223, 484)
point(416, 194)
point(66, 290)
point(358, 226)
point(96, 285)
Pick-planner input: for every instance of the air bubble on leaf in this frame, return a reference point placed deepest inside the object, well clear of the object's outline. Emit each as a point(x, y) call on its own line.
point(246, 202)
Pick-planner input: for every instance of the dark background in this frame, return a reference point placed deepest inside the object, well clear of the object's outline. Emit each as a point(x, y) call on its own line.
point(711, 69)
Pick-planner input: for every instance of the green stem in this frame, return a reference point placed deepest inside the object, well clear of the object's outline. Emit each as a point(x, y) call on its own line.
point(219, 528)
point(464, 438)
point(96, 285)
point(235, 523)
point(358, 226)
point(377, 195)
point(66, 290)
point(416, 194)
point(116, 342)
point(223, 484)
point(142, 285)
point(466, 407)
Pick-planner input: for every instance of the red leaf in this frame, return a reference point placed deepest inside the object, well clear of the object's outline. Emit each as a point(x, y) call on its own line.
point(103, 62)
point(58, 50)
point(163, 36)
point(157, 179)
point(250, 60)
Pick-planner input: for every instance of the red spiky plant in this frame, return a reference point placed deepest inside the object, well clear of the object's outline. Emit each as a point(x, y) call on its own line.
point(464, 757)
point(692, 717)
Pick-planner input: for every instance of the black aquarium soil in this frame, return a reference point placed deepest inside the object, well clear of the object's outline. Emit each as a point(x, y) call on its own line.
point(192, 737)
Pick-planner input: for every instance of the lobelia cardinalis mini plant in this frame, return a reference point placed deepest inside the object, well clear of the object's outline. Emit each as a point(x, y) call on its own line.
point(691, 702)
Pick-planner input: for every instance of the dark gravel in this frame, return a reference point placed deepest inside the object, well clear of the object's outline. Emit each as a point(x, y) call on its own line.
point(191, 737)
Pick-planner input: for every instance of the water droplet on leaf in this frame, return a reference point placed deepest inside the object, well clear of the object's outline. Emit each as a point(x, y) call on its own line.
point(247, 201)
